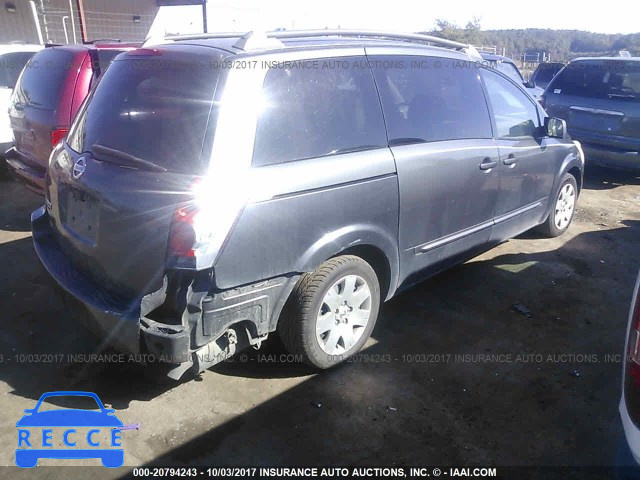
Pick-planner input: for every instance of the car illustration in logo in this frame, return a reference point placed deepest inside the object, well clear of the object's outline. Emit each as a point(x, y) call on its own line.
point(41, 424)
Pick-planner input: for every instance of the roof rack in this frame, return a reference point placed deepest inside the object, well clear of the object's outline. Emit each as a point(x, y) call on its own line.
point(404, 37)
point(259, 40)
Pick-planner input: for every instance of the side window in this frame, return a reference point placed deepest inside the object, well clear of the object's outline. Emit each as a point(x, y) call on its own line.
point(514, 113)
point(327, 108)
point(427, 99)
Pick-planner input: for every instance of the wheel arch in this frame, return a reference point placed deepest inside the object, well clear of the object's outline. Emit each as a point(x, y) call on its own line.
point(373, 245)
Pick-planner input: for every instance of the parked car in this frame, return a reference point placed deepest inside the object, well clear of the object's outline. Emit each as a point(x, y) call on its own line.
point(630, 399)
point(543, 74)
point(46, 98)
point(13, 58)
point(600, 100)
point(214, 190)
point(510, 69)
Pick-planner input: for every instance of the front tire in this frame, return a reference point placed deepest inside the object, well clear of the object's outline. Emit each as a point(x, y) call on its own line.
point(331, 312)
point(563, 208)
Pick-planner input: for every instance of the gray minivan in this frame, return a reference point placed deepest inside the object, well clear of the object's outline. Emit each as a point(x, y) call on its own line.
point(215, 189)
point(600, 100)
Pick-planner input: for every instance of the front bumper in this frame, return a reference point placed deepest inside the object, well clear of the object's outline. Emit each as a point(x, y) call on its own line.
point(117, 320)
point(32, 177)
point(611, 157)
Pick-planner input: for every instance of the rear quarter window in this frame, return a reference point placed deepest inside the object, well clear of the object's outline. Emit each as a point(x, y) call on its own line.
point(43, 78)
point(328, 109)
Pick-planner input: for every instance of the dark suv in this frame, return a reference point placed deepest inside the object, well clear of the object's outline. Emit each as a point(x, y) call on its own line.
point(600, 100)
point(214, 190)
point(45, 99)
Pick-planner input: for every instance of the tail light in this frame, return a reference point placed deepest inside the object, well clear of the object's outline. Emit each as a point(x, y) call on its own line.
point(192, 225)
point(58, 135)
point(632, 369)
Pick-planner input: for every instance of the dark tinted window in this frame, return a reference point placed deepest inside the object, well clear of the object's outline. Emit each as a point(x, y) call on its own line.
point(328, 108)
point(514, 112)
point(44, 77)
point(105, 57)
point(429, 99)
point(612, 79)
point(545, 73)
point(155, 109)
point(11, 64)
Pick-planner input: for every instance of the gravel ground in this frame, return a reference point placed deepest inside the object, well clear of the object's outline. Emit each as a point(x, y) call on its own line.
point(510, 359)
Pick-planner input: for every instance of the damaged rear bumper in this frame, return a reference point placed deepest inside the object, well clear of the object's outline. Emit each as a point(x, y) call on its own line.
point(215, 324)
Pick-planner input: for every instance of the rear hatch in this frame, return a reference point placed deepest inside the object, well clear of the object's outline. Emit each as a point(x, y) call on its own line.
point(42, 100)
point(132, 153)
point(600, 100)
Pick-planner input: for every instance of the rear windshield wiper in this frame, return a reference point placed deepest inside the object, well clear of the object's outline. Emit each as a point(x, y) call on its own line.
point(101, 149)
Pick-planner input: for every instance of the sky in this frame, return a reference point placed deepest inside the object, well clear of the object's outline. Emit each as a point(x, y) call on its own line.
point(401, 15)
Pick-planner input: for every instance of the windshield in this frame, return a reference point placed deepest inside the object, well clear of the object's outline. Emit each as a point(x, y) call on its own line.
point(510, 70)
point(149, 112)
point(609, 79)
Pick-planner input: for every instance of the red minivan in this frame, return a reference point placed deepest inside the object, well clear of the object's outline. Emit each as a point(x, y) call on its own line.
point(46, 97)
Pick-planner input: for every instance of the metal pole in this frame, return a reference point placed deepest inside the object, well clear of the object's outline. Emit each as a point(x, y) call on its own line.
point(83, 31)
point(73, 22)
point(35, 19)
point(204, 17)
point(64, 27)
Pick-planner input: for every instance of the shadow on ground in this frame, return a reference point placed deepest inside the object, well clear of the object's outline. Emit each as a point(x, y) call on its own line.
point(410, 398)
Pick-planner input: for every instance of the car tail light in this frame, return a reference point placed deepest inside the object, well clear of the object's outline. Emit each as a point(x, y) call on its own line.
point(632, 369)
point(58, 135)
point(192, 225)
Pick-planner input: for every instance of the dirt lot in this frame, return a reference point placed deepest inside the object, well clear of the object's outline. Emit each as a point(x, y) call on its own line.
point(540, 390)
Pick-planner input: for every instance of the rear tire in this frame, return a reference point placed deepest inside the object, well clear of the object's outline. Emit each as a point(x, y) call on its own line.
point(331, 312)
point(563, 208)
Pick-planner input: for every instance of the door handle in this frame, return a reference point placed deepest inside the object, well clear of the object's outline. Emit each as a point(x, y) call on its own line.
point(510, 160)
point(488, 164)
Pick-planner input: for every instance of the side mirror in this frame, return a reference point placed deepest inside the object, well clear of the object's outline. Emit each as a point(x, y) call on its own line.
point(530, 84)
point(556, 128)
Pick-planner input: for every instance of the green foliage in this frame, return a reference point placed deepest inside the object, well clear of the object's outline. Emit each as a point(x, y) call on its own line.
point(562, 45)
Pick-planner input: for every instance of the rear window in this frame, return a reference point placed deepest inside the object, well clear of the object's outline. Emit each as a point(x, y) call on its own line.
point(153, 108)
point(617, 80)
point(11, 64)
point(43, 79)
